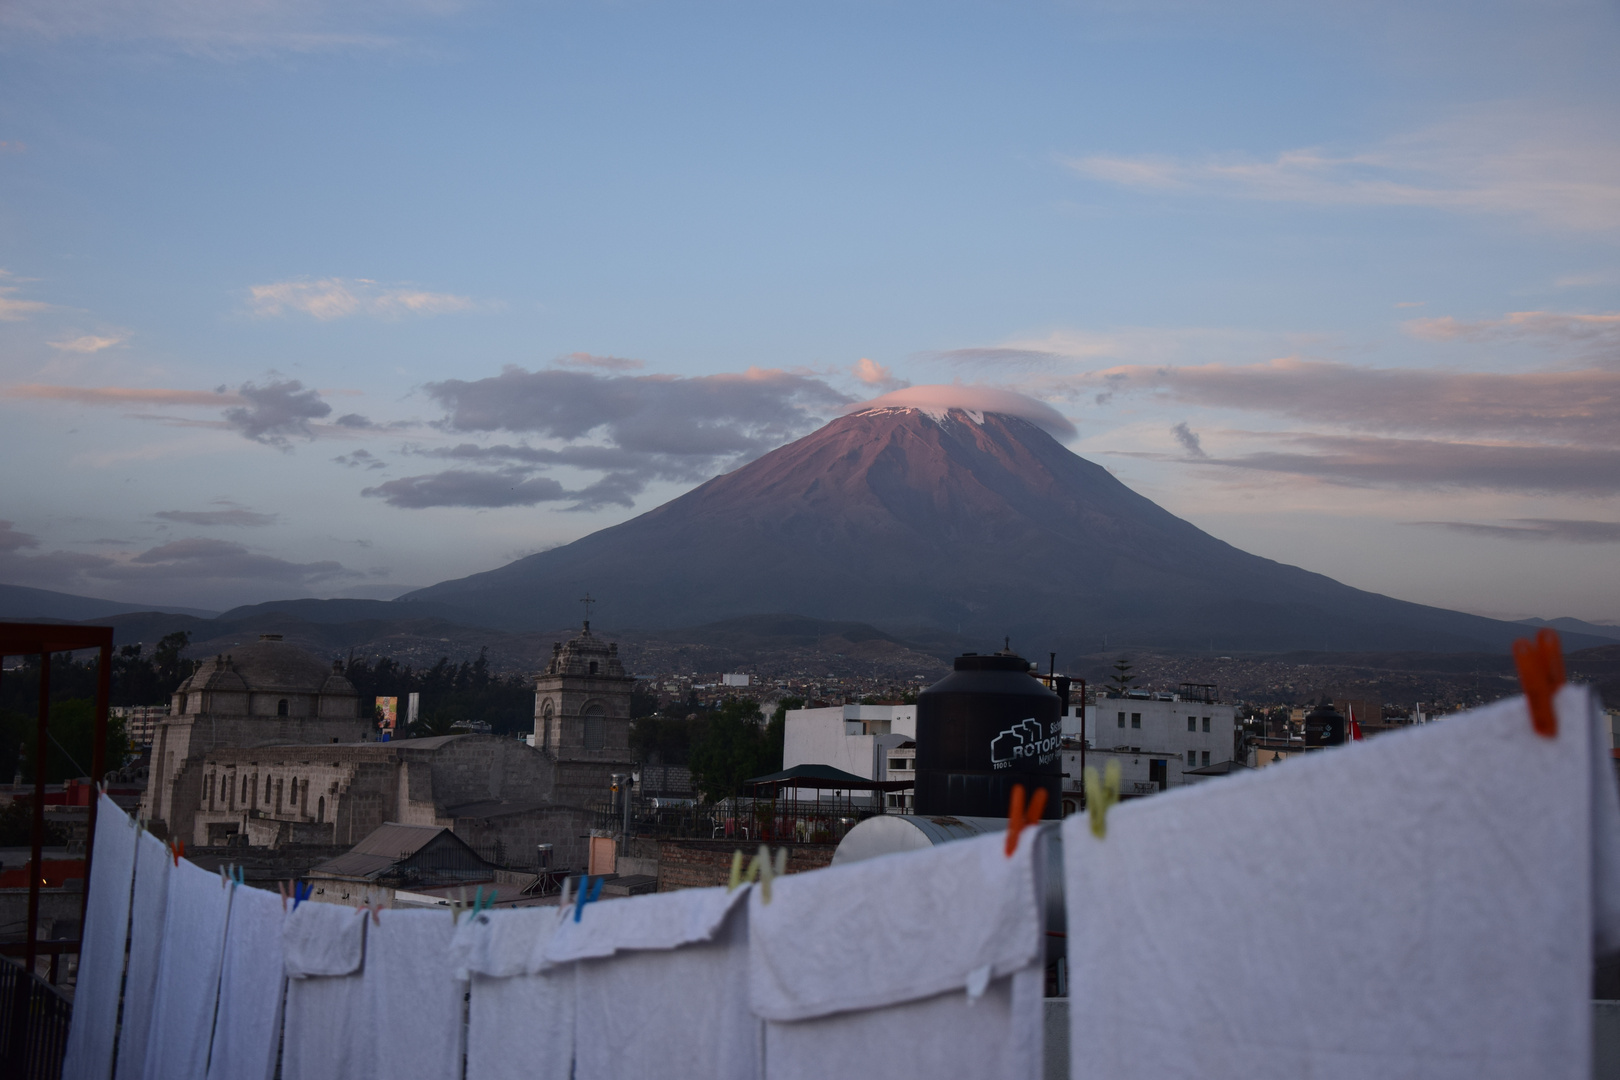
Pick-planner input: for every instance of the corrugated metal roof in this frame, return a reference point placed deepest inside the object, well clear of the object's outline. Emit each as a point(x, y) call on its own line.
point(395, 840)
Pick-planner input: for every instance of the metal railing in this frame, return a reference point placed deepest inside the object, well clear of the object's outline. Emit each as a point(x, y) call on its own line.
point(764, 820)
point(34, 1019)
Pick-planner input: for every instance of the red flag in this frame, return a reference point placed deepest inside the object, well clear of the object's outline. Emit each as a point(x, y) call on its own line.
point(1355, 728)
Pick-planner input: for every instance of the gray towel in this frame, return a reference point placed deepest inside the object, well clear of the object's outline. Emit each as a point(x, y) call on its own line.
point(188, 974)
point(248, 1026)
point(92, 1036)
point(147, 907)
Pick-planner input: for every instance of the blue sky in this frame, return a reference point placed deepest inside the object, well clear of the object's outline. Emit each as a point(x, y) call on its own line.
point(1338, 283)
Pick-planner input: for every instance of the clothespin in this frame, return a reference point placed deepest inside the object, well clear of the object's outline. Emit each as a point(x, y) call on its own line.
point(223, 876)
point(239, 874)
point(1541, 673)
point(565, 899)
point(736, 871)
point(281, 887)
point(369, 902)
point(589, 892)
point(301, 892)
point(1019, 816)
point(177, 848)
point(764, 870)
point(1101, 793)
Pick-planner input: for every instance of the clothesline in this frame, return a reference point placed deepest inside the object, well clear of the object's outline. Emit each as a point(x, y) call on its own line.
point(1445, 890)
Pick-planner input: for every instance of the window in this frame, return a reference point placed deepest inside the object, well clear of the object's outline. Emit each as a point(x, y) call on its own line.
point(1136, 719)
point(595, 727)
point(1206, 757)
point(1121, 719)
point(320, 810)
point(281, 707)
point(1192, 758)
point(593, 667)
point(1192, 723)
point(278, 796)
point(899, 763)
point(244, 789)
point(1206, 724)
point(267, 790)
point(545, 725)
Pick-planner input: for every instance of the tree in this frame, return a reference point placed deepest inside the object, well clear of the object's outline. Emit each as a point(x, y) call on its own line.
point(732, 749)
point(1120, 681)
point(172, 670)
point(70, 741)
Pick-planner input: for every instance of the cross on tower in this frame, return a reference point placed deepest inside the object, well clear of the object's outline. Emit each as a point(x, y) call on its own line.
point(588, 600)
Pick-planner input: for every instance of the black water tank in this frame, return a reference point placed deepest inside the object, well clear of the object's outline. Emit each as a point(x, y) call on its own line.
point(983, 728)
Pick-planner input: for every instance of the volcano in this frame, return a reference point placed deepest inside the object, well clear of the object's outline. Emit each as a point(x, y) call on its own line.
point(949, 519)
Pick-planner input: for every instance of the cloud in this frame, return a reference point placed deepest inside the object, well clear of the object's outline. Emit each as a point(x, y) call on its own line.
point(1367, 461)
point(361, 458)
point(230, 515)
point(339, 298)
point(1560, 170)
point(1561, 529)
point(12, 540)
point(1188, 439)
point(1572, 406)
point(601, 363)
point(1553, 327)
point(118, 395)
point(632, 428)
point(89, 343)
point(876, 375)
point(192, 563)
point(972, 399)
point(462, 487)
point(277, 410)
point(12, 310)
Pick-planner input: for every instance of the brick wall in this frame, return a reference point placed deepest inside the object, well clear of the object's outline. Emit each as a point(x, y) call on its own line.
point(694, 864)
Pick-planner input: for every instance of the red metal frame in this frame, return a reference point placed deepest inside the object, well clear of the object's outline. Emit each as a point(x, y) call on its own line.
point(43, 639)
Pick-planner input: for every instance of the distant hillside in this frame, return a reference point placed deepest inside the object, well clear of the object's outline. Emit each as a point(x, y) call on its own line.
point(1567, 625)
point(20, 603)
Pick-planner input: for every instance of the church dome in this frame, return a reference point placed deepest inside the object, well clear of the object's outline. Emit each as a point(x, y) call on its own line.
point(215, 673)
point(270, 664)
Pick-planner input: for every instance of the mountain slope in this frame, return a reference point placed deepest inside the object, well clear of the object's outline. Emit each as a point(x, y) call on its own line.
point(19, 602)
point(980, 524)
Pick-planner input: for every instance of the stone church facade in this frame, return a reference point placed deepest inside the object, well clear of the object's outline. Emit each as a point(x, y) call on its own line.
point(256, 751)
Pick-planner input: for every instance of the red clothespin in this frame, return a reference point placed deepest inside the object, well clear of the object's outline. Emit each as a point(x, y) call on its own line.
point(1018, 815)
point(177, 848)
point(1541, 673)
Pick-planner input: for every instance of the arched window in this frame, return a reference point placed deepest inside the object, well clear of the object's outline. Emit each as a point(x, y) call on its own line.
point(244, 789)
point(208, 785)
point(320, 810)
point(593, 667)
point(279, 789)
point(268, 788)
point(546, 714)
point(281, 707)
point(595, 727)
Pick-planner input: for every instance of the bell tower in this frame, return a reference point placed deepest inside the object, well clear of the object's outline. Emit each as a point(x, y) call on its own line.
point(582, 714)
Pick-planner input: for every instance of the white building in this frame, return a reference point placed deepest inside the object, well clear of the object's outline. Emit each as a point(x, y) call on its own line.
point(875, 742)
point(1156, 738)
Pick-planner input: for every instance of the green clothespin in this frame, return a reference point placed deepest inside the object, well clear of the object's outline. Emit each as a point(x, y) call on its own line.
point(1101, 793)
point(736, 871)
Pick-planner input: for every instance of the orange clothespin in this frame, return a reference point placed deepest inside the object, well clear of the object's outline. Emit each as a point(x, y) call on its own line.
point(1019, 815)
point(177, 848)
point(1541, 673)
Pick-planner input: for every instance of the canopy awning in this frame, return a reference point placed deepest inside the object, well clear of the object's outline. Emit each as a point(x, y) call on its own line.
point(824, 777)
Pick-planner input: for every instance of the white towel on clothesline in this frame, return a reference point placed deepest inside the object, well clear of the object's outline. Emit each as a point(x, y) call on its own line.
point(247, 1029)
point(327, 1034)
point(923, 964)
point(415, 996)
point(148, 905)
point(520, 1024)
point(1423, 904)
point(100, 977)
point(188, 974)
point(661, 987)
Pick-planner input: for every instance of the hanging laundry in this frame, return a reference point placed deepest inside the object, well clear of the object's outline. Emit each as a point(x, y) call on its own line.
point(1440, 892)
point(661, 987)
point(188, 974)
point(327, 1034)
point(147, 907)
point(921, 964)
point(520, 1025)
point(247, 1027)
point(414, 995)
point(91, 1038)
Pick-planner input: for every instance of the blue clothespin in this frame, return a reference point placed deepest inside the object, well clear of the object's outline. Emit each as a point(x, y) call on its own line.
point(240, 874)
point(589, 891)
point(301, 892)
